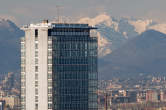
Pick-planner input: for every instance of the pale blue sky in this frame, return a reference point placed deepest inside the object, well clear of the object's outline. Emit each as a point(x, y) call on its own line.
point(27, 11)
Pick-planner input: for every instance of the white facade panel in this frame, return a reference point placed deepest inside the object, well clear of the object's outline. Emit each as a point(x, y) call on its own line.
point(42, 69)
point(30, 69)
point(43, 44)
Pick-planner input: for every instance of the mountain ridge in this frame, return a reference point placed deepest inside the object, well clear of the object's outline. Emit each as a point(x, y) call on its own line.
point(9, 46)
point(142, 54)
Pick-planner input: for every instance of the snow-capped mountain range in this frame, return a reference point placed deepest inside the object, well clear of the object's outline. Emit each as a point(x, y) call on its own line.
point(114, 32)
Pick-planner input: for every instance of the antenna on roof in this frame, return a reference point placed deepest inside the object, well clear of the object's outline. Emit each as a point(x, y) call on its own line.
point(58, 7)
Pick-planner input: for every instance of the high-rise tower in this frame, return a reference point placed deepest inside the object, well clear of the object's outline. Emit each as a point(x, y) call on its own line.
point(58, 67)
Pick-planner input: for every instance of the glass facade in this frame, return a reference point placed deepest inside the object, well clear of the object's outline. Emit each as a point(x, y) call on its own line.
point(75, 73)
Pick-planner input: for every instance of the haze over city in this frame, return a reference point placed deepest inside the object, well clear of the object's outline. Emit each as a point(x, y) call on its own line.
point(28, 11)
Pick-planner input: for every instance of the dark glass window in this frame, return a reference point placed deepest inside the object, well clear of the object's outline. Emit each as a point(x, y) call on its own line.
point(36, 68)
point(36, 106)
point(36, 32)
point(36, 45)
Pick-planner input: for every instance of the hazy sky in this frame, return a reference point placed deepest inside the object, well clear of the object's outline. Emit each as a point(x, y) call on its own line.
point(27, 11)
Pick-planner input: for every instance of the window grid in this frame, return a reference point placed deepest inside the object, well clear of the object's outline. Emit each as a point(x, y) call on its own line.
point(49, 74)
point(23, 76)
point(75, 58)
point(36, 69)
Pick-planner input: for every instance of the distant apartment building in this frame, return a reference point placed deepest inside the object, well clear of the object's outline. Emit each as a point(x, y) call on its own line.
point(132, 96)
point(11, 101)
point(151, 96)
point(59, 67)
point(3, 93)
point(141, 96)
point(118, 100)
point(2, 105)
point(163, 96)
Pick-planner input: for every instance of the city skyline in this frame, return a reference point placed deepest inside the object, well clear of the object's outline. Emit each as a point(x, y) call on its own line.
point(82, 55)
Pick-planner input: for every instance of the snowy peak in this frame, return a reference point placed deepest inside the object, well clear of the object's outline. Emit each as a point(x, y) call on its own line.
point(100, 19)
point(159, 27)
point(141, 25)
point(97, 20)
point(104, 45)
point(114, 32)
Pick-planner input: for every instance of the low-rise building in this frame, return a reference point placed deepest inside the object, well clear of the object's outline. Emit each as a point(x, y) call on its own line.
point(12, 101)
point(151, 96)
point(2, 105)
